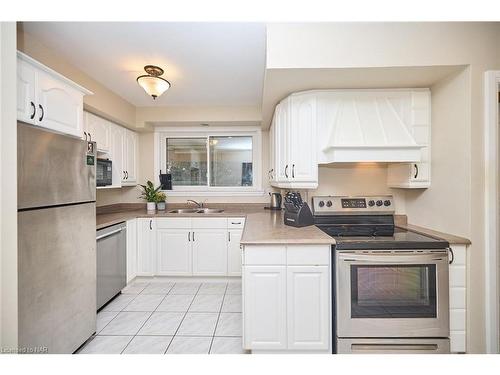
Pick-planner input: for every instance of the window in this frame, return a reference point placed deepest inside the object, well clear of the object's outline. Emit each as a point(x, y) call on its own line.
point(230, 161)
point(218, 162)
point(187, 161)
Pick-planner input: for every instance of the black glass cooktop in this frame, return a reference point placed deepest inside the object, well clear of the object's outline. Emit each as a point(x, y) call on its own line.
point(379, 237)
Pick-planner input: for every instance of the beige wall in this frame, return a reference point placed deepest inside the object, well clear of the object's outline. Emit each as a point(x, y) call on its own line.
point(356, 179)
point(104, 102)
point(450, 172)
point(342, 45)
point(8, 187)
point(178, 115)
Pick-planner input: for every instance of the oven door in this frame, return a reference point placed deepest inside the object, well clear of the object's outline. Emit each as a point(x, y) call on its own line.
point(392, 294)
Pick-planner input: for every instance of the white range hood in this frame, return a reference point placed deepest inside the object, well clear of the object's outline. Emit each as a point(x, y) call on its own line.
point(371, 125)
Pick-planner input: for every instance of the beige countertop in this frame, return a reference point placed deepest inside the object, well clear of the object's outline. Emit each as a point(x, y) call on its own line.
point(451, 238)
point(265, 228)
point(262, 227)
point(115, 214)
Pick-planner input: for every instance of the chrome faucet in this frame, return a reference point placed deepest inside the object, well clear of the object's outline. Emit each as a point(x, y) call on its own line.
point(200, 205)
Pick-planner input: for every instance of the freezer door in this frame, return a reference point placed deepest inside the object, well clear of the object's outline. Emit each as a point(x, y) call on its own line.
point(53, 169)
point(57, 277)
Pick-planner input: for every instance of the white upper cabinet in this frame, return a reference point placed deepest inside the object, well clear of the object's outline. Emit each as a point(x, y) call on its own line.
point(317, 127)
point(118, 144)
point(416, 175)
point(302, 140)
point(130, 158)
point(48, 99)
point(271, 172)
point(26, 109)
point(294, 159)
point(97, 129)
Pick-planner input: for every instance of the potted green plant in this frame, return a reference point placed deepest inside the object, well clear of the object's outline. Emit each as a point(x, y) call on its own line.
point(160, 201)
point(149, 193)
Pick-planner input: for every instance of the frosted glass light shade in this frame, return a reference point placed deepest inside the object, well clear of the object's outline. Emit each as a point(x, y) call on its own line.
point(154, 86)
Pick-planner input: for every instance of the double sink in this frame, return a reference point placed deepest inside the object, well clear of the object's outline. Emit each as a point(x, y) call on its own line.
point(196, 211)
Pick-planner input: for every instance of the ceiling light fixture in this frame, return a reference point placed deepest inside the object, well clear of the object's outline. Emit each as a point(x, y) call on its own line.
point(152, 83)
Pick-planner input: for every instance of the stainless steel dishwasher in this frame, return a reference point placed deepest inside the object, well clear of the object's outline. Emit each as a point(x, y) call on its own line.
point(111, 262)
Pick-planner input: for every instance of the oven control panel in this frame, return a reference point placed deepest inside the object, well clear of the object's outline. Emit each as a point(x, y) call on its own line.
point(347, 205)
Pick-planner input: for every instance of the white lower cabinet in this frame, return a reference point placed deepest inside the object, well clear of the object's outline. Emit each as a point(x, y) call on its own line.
point(131, 249)
point(174, 252)
point(184, 246)
point(287, 298)
point(264, 317)
point(458, 299)
point(308, 314)
point(146, 247)
point(209, 252)
point(234, 252)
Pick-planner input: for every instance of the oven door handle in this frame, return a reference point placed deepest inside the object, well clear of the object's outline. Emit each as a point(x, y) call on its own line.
point(392, 259)
point(394, 347)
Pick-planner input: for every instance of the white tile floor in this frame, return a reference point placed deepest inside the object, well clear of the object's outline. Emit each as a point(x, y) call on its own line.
point(160, 317)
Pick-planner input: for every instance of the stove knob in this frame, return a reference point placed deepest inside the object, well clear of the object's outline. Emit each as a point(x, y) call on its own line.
point(387, 203)
point(321, 203)
point(329, 204)
point(379, 203)
point(371, 203)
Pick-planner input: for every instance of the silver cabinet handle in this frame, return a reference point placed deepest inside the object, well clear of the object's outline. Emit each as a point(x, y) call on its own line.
point(193, 236)
point(293, 170)
point(452, 255)
point(150, 224)
point(229, 233)
point(286, 171)
point(416, 171)
point(232, 222)
point(189, 236)
point(109, 234)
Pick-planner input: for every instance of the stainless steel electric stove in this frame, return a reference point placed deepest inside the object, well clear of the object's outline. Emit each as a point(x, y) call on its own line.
point(389, 284)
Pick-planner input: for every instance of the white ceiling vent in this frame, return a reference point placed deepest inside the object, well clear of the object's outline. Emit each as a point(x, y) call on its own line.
point(370, 125)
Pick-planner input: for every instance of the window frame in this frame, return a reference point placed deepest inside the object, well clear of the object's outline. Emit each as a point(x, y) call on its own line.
point(255, 132)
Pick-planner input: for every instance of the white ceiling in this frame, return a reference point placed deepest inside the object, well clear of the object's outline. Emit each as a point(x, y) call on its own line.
point(208, 64)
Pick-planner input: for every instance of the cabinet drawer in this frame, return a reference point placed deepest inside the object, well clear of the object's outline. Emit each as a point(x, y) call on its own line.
point(173, 222)
point(235, 222)
point(308, 255)
point(265, 255)
point(209, 222)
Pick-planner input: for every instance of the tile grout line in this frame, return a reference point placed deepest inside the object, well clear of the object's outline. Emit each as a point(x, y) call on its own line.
point(150, 315)
point(118, 313)
point(179, 326)
point(218, 317)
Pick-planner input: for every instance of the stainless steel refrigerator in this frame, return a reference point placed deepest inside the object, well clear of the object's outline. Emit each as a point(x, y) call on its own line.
point(56, 240)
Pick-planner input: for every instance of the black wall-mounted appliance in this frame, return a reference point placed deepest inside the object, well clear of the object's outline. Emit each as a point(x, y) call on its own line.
point(166, 181)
